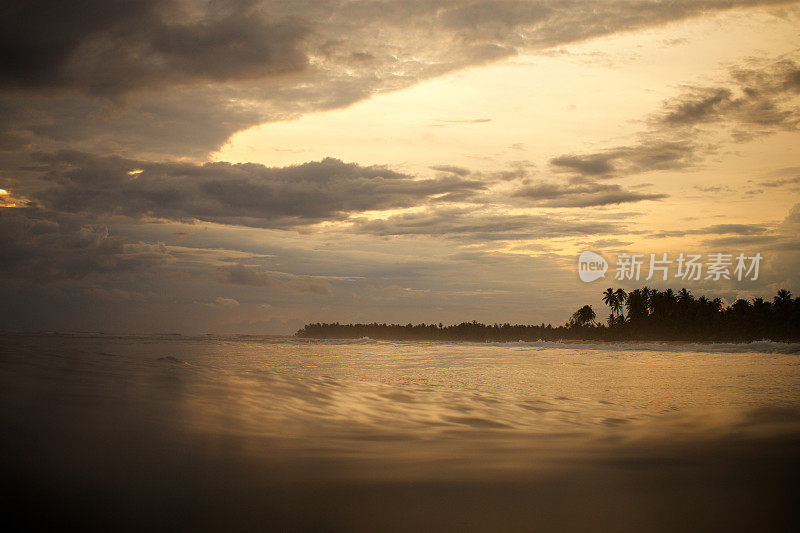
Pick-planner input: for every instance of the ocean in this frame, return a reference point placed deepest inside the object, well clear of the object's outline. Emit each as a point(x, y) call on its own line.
point(278, 433)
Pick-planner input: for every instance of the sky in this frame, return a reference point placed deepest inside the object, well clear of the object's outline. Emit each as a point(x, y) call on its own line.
point(249, 167)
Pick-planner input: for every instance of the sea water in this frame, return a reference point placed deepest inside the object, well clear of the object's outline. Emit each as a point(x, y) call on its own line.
point(224, 433)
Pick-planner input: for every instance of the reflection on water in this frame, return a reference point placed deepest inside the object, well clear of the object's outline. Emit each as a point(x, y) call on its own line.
point(222, 432)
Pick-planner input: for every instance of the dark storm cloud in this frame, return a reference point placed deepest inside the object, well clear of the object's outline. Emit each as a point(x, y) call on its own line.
point(183, 76)
point(39, 245)
point(241, 194)
point(582, 195)
point(470, 225)
point(648, 155)
point(107, 47)
point(254, 277)
point(148, 83)
point(494, 18)
point(188, 123)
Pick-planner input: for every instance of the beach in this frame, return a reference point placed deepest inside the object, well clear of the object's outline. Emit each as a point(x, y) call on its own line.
point(254, 433)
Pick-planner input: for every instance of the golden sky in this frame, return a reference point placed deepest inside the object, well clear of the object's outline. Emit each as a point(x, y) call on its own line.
point(380, 161)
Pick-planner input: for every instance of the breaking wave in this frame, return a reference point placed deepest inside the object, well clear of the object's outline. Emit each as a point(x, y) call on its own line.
point(764, 346)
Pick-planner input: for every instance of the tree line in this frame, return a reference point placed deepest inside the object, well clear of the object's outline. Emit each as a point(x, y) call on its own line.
point(641, 314)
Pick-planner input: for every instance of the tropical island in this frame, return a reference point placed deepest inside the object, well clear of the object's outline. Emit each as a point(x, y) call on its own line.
point(639, 315)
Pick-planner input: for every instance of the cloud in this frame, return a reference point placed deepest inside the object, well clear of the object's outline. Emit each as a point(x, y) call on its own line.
point(768, 241)
point(700, 105)
point(755, 100)
point(242, 275)
point(471, 225)
point(719, 229)
point(228, 303)
point(759, 102)
point(441, 123)
point(605, 244)
point(253, 277)
point(157, 85)
point(648, 155)
point(115, 295)
point(590, 165)
point(712, 188)
point(107, 48)
point(44, 246)
point(451, 169)
point(793, 219)
point(493, 19)
point(582, 195)
point(241, 194)
point(793, 182)
point(177, 78)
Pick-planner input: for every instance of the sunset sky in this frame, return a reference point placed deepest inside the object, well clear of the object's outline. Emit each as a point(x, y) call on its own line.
point(249, 167)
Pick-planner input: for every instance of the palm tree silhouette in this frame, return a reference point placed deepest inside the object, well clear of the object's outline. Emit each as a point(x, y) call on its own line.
point(783, 297)
point(636, 304)
point(622, 297)
point(583, 316)
point(615, 300)
point(651, 315)
point(609, 297)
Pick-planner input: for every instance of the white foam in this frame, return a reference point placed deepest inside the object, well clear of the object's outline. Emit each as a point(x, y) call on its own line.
point(764, 346)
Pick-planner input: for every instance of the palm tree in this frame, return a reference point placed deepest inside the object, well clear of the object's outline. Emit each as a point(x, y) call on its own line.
point(615, 300)
point(609, 298)
point(636, 304)
point(685, 295)
point(621, 296)
point(649, 296)
point(783, 297)
point(669, 294)
point(583, 316)
point(664, 303)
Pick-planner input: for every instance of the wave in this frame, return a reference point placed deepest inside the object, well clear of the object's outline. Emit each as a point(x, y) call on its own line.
point(362, 340)
point(764, 346)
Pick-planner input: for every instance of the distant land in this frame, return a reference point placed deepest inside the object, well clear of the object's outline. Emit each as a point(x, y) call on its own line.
point(639, 315)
